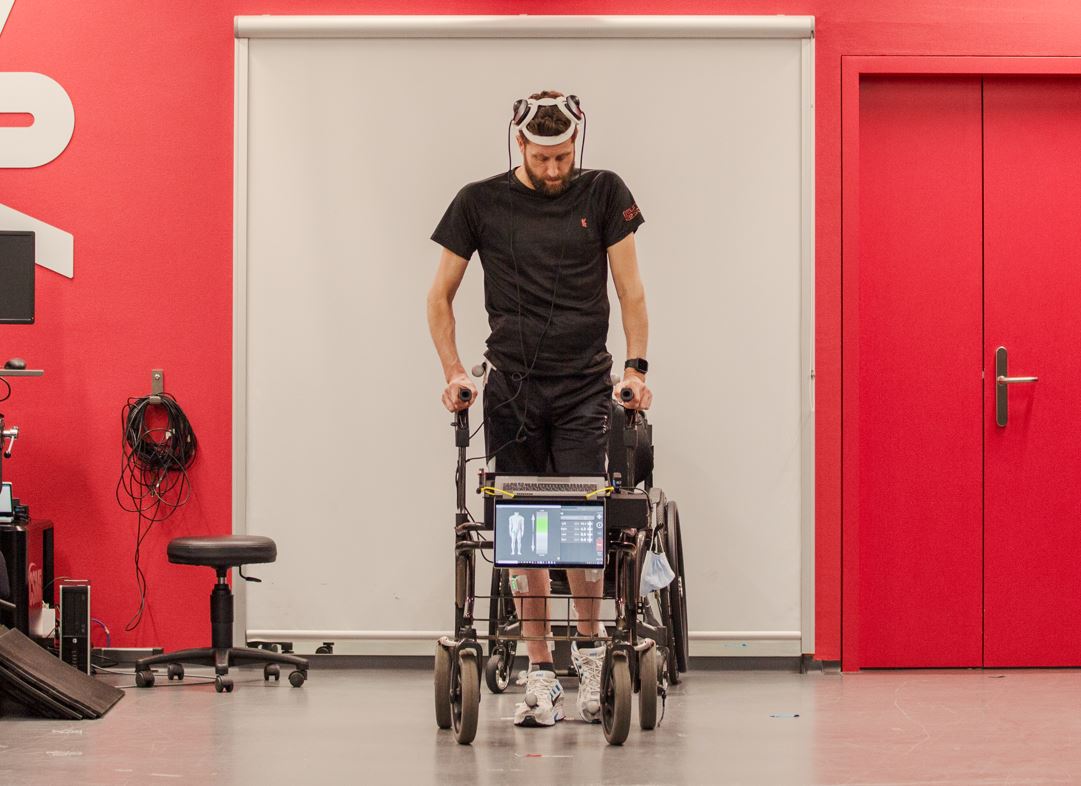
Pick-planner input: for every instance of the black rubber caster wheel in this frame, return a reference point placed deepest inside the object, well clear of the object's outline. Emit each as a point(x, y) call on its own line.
point(271, 672)
point(144, 679)
point(223, 684)
point(176, 672)
point(326, 649)
point(497, 670)
point(297, 678)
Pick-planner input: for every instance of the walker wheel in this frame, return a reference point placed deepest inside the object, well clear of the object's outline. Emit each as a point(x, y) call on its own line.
point(649, 671)
point(223, 684)
point(442, 687)
point(144, 679)
point(616, 701)
point(465, 699)
point(175, 671)
point(297, 678)
point(271, 671)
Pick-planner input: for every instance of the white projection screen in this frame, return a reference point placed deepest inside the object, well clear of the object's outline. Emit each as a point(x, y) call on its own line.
point(352, 136)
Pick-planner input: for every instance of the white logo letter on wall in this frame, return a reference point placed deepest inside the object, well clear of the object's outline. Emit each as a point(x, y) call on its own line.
point(54, 120)
point(33, 146)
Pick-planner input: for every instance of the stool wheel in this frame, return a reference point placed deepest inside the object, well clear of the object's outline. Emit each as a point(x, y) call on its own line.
point(326, 649)
point(297, 678)
point(144, 679)
point(271, 671)
point(223, 684)
point(176, 672)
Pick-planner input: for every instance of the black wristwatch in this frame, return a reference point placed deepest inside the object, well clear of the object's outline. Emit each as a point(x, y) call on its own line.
point(641, 365)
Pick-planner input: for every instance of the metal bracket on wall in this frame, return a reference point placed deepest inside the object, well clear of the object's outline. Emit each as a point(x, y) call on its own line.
point(157, 385)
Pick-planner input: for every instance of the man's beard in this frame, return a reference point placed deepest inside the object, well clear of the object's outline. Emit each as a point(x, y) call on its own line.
point(550, 189)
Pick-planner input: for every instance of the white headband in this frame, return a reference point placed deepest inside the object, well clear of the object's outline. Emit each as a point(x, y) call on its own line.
point(534, 105)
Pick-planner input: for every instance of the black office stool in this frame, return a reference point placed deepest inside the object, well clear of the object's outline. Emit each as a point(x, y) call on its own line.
point(222, 553)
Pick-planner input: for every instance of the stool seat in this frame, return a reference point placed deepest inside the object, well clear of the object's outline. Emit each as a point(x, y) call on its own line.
point(222, 551)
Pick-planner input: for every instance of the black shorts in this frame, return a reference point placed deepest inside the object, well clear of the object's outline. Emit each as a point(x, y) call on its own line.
point(553, 424)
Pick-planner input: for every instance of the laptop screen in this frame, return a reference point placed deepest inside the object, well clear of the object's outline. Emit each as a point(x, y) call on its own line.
point(563, 534)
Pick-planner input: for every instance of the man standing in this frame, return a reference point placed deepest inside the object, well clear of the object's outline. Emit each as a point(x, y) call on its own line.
point(547, 234)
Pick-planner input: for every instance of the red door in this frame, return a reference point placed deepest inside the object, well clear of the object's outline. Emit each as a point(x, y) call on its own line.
point(919, 363)
point(969, 505)
point(1032, 269)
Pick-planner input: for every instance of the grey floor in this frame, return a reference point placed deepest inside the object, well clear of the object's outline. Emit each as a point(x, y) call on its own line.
point(721, 727)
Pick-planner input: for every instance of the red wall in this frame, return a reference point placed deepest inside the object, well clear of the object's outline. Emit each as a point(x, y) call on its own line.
point(146, 188)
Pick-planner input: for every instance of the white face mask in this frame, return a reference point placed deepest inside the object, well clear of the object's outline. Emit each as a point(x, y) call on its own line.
point(656, 573)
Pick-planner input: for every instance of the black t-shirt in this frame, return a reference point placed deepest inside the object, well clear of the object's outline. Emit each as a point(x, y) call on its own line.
point(559, 246)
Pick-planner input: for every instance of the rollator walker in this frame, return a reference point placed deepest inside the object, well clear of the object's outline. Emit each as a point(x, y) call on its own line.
point(646, 646)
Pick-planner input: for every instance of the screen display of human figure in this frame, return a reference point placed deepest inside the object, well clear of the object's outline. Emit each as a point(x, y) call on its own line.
point(555, 534)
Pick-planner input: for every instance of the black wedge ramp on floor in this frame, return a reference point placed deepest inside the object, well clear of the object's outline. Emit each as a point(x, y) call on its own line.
point(46, 685)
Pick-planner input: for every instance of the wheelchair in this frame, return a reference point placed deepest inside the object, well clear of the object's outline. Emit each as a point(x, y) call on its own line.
point(646, 646)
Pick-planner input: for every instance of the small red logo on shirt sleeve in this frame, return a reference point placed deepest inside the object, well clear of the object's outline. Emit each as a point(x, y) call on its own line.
point(631, 212)
point(584, 224)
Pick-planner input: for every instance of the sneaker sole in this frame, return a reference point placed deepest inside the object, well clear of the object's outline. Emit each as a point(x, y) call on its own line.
point(532, 723)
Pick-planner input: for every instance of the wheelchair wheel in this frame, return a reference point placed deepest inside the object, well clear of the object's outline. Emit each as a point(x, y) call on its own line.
point(465, 701)
point(497, 671)
point(670, 662)
point(649, 681)
point(677, 590)
point(616, 701)
point(442, 686)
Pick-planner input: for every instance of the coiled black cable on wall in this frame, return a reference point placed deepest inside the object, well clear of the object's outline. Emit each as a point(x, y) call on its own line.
point(158, 448)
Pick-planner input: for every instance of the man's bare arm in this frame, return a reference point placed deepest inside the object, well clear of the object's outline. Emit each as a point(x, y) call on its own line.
point(448, 278)
point(623, 259)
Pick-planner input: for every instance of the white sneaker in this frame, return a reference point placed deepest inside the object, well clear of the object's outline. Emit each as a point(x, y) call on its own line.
point(588, 663)
point(543, 704)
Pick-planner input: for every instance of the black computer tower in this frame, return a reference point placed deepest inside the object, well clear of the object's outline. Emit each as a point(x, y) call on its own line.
point(75, 625)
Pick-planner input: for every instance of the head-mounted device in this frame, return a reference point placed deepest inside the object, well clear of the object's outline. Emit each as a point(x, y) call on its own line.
point(525, 109)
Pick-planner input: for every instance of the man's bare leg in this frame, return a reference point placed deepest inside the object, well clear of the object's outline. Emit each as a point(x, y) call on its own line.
point(587, 602)
point(533, 611)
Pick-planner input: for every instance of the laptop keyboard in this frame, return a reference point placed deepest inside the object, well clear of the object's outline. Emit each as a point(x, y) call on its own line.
point(550, 488)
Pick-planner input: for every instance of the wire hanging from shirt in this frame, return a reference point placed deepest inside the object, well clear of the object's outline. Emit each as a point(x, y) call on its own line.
point(154, 481)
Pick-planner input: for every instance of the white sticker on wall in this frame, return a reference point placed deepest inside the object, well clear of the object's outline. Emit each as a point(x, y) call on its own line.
point(54, 248)
point(5, 9)
point(54, 119)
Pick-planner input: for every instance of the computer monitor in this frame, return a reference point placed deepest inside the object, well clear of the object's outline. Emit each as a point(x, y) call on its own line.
point(556, 534)
point(7, 504)
point(17, 277)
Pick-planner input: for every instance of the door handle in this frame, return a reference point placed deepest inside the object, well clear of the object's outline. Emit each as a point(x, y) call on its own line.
point(1002, 385)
